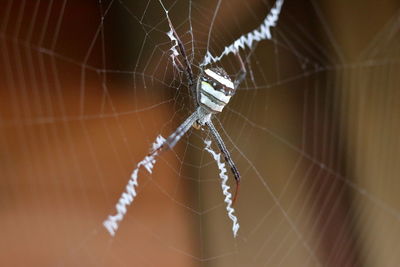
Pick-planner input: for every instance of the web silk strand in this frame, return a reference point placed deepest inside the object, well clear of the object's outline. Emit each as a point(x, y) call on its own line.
point(263, 32)
point(224, 186)
point(127, 197)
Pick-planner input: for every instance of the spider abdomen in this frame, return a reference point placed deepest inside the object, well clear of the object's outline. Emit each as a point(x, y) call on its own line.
point(211, 98)
point(215, 89)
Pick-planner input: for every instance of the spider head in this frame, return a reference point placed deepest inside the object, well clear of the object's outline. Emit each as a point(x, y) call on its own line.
point(214, 89)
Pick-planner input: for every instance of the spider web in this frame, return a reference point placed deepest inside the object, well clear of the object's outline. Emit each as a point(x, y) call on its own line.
point(88, 86)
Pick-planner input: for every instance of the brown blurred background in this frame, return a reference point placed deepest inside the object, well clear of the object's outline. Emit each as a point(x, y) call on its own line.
point(86, 86)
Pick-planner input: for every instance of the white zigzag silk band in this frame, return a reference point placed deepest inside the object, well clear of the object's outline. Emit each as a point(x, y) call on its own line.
point(127, 197)
point(224, 186)
point(263, 32)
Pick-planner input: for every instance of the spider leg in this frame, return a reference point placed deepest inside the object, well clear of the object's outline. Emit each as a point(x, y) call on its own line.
point(173, 139)
point(180, 65)
point(242, 74)
point(182, 51)
point(227, 156)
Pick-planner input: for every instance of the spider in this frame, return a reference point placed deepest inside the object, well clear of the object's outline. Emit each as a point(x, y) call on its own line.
point(211, 92)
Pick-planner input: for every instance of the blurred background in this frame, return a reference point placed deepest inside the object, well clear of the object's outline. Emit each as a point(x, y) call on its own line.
point(86, 87)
